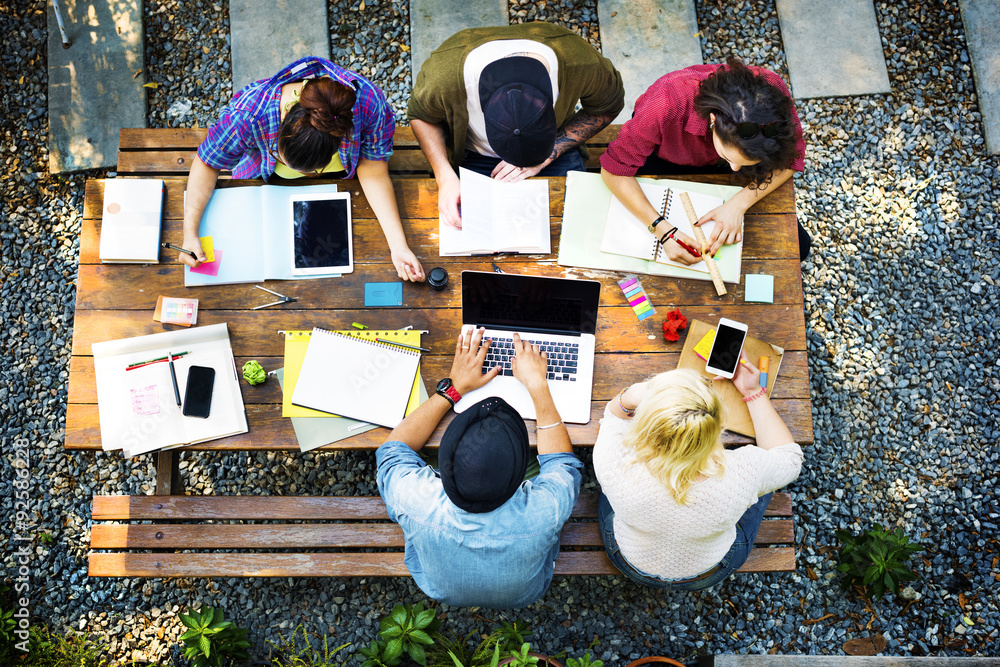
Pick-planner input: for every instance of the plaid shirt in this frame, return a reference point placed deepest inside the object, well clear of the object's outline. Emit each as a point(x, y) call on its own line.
point(666, 124)
point(245, 137)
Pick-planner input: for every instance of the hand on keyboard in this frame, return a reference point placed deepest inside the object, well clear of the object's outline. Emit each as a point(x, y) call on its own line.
point(468, 371)
point(529, 365)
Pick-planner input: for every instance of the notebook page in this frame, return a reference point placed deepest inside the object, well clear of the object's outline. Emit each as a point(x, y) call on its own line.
point(356, 378)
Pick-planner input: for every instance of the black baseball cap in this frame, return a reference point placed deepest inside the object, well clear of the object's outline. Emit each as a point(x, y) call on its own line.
point(516, 98)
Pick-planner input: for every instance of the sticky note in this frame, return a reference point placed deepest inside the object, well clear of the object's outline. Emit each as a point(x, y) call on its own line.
point(208, 248)
point(759, 288)
point(383, 294)
point(209, 268)
point(704, 346)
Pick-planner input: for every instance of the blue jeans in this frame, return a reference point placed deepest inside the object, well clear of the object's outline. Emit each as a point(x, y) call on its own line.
point(571, 160)
point(746, 533)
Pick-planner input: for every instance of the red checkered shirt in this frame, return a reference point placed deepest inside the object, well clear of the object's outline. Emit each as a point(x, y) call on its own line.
point(666, 123)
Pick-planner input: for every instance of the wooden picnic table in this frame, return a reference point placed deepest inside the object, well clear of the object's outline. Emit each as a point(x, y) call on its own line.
point(117, 301)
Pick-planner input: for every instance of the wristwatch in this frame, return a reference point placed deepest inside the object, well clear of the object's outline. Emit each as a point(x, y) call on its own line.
point(447, 389)
point(652, 227)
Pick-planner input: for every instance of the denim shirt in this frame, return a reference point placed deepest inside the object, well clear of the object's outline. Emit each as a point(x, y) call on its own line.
point(500, 559)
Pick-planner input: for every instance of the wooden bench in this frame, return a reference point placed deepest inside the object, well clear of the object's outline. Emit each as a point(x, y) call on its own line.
point(194, 536)
point(170, 152)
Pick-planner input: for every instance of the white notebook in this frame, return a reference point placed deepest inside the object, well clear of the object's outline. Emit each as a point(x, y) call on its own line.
point(499, 217)
point(137, 408)
point(130, 220)
point(624, 234)
point(356, 378)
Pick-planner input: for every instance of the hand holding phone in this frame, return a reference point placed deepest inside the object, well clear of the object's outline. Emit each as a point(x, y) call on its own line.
point(747, 377)
point(727, 348)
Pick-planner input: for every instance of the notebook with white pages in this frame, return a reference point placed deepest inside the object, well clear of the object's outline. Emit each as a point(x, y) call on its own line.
point(137, 408)
point(130, 220)
point(624, 234)
point(356, 378)
point(499, 217)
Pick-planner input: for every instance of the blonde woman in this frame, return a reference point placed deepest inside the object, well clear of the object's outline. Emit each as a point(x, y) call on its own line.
point(677, 510)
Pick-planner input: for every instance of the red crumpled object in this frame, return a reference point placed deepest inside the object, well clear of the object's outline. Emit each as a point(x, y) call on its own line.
point(675, 322)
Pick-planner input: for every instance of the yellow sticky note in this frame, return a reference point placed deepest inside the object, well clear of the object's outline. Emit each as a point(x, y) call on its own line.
point(704, 346)
point(207, 248)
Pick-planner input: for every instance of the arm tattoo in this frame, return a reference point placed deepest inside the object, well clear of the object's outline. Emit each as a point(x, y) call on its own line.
point(581, 126)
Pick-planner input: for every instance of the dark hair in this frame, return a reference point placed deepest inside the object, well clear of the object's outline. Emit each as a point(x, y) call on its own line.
point(735, 94)
point(312, 129)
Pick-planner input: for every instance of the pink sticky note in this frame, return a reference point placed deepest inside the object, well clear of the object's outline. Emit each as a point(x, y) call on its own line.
point(210, 268)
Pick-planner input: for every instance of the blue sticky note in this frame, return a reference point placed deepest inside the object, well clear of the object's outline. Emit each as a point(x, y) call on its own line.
point(759, 288)
point(383, 294)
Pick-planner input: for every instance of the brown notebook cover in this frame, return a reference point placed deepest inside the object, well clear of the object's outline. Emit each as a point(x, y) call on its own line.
point(737, 415)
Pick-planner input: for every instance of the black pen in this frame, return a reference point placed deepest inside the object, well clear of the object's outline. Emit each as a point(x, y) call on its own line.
point(409, 347)
point(173, 378)
point(180, 249)
point(496, 269)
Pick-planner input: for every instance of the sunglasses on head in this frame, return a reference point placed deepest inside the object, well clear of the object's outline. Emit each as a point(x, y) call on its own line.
point(750, 130)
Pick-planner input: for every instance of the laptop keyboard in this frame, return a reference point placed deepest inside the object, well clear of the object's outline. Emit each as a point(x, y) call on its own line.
point(562, 357)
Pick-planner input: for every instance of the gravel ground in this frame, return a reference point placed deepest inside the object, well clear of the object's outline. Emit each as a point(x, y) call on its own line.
point(901, 301)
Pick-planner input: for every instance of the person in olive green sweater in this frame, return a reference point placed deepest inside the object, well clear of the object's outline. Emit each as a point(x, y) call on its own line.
point(502, 102)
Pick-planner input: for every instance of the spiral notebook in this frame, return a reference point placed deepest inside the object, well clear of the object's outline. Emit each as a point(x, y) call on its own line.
point(624, 234)
point(356, 378)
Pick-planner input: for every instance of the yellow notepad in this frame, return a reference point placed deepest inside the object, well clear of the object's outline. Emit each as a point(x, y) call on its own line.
point(704, 346)
point(296, 343)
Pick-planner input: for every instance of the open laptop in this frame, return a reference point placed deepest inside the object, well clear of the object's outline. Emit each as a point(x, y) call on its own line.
point(558, 314)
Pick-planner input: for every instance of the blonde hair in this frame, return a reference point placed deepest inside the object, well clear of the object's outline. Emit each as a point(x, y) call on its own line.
point(676, 429)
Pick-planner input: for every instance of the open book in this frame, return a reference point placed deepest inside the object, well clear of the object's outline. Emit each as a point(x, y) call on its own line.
point(499, 217)
point(251, 228)
point(137, 408)
point(624, 234)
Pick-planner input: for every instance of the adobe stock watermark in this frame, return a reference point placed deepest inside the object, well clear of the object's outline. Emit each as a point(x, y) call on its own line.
point(22, 538)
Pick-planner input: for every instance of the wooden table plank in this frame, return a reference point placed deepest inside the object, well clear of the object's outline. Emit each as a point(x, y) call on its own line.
point(328, 535)
point(254, 333)
point(779, 559)
point(270, 431)
point(417, 198)
point(611, 373)
point(299, 508)
point(135, 287)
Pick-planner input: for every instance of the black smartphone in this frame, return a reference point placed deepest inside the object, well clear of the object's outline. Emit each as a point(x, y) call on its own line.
point(198, 393)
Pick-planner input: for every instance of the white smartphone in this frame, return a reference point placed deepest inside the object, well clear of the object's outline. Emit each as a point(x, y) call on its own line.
point(726, 348)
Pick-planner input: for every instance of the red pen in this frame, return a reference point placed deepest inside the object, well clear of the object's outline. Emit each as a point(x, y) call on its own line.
point(686, 247)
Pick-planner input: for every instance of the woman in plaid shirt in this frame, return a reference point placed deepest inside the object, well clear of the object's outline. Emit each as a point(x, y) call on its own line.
point(312, 118)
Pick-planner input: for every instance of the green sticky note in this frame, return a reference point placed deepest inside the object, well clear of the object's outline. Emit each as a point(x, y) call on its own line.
point(759, 288)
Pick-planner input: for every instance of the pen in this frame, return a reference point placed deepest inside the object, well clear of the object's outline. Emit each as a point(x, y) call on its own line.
point(411, 347)
point(686, 247)
point(496, 269)
point(138, 364)
point(179, 249)
point(763, 364)
point(173, 378)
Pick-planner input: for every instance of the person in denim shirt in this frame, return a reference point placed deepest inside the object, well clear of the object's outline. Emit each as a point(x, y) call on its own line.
point(313, 118)
point(477, 534)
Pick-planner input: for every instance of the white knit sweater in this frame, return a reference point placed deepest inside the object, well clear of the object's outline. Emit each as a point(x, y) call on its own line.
point(659, 537)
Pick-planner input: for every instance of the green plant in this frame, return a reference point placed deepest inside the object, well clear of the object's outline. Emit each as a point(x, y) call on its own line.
point(585, 661)
point(212, 641)
point(74, 650)
point(407, 630)
point(374, 655)
point(451, 652)
point(876, 561)
point(291, 656)
point(47, 538)
point(522, 658)
point(513, 634)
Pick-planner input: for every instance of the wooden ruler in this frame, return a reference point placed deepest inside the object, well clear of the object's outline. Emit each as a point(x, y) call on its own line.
point(713, 268)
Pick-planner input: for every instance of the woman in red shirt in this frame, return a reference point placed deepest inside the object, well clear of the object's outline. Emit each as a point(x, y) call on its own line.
point(719, 116)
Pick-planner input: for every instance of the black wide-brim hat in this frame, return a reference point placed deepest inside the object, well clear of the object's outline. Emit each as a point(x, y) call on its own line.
point(517, 102)
point(483, 455)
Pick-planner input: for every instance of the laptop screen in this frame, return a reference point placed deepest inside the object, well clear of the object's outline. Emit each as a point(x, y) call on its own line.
point(530, 303)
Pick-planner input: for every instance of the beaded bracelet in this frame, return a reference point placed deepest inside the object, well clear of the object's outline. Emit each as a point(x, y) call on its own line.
point(630, 413)
point(755, 395)
point(542, 428)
